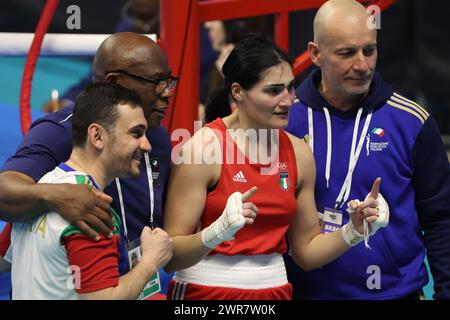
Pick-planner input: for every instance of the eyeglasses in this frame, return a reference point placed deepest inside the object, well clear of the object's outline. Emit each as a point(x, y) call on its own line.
point(161, 84)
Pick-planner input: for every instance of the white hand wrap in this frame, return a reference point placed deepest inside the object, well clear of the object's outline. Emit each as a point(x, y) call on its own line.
point(353, 237)
point(350, 235)
point(225, 227)
point(381, 222)
point(383, 212)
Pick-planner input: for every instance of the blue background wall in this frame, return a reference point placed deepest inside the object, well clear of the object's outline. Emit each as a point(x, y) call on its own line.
point(51, 73)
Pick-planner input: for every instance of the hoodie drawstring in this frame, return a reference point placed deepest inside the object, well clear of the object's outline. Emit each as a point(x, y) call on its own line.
point(328, 164)
point(310, 130)
point(354, 151)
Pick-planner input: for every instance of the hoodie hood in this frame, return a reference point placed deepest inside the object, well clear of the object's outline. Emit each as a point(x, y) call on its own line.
point(309, 95)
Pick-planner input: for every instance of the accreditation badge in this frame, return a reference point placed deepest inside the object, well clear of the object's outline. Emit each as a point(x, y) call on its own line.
point(153, 286)
point(331, 220)
point(155, 165)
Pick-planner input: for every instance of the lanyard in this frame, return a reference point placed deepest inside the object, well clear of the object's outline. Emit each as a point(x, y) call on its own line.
point(121, 202)
point(150, 188)
point(354, 154)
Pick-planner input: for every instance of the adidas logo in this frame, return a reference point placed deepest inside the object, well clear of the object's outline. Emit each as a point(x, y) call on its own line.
point(239, 177)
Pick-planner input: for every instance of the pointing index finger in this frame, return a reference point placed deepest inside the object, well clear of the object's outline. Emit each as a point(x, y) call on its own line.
point(249, 193)
point(375, 188)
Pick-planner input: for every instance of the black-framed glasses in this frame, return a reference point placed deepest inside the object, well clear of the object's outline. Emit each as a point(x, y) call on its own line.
point(161, 84)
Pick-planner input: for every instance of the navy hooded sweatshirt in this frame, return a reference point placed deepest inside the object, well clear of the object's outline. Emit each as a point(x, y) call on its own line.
point(401, 145)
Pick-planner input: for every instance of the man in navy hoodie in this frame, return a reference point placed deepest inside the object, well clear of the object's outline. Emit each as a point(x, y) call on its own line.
point(358, 129)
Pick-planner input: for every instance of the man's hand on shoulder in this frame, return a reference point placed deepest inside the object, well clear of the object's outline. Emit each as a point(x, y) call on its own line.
point(84, 207)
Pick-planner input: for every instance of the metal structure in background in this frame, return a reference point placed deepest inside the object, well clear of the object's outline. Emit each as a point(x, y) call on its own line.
point(180, 40)
point(30, 63)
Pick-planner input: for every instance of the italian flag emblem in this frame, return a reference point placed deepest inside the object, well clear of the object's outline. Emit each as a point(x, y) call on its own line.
point(284, 180)
point(378, 131)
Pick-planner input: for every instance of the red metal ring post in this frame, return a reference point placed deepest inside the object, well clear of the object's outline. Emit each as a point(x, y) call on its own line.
point(30, 64)
point(180, 22)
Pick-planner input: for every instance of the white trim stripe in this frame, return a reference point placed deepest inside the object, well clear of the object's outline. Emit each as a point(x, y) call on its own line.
point(179, 290)
point(409, 105)
point(413, 105)
point(67, 118)
point(183, 291)
point(411, 101)
point(175, 290)
point(401, 107)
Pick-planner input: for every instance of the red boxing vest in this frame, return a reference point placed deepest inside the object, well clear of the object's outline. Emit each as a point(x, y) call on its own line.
point(275, 197)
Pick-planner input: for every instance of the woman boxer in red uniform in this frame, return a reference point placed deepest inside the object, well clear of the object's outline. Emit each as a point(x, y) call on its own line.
point(237, 253)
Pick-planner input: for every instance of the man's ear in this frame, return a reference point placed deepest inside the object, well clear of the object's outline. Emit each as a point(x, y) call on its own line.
point(314, 53)
point(97, 135)
point(237, 92)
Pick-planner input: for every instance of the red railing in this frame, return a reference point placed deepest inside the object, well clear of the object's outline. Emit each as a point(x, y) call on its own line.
point(30, 63)
point(180, 39)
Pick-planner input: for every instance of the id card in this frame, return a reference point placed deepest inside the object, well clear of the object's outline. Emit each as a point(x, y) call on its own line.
point(332, 220)
point(153, 286)
point(320, 216)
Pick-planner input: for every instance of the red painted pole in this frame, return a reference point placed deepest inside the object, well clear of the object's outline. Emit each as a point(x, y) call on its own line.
point(282, 30)
point(231, 9)
point(180, 21)
point(301, 63)
point(30, 63)
point(180, 38)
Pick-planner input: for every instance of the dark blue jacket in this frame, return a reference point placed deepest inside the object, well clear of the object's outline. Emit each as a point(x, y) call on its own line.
point(404, 148)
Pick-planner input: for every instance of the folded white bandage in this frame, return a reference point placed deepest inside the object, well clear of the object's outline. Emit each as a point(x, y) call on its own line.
point(381, 222)
point(352, 236)
point(225, 227)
